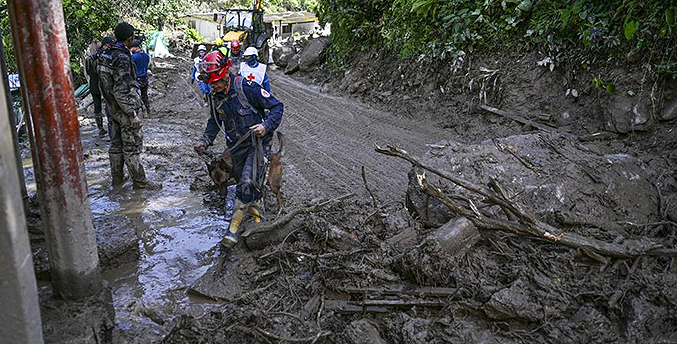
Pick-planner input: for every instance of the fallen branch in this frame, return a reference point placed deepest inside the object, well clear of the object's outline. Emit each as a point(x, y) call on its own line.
point(366, 186)
point(523, 120)
point(311, 339)
point(267, 227)
point(528, 224)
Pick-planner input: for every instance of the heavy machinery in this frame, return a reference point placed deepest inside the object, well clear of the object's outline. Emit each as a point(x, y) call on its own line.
point(247, 26)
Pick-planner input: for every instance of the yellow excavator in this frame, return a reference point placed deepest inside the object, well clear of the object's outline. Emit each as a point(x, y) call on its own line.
point(247, 26)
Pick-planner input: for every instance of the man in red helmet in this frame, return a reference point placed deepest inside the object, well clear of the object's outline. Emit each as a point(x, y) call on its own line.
point(235, 56)
point(237, 108)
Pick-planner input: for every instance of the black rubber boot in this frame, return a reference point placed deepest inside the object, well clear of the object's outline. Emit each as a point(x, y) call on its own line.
point(99, 124)
point(117, 168)
point(138, 175)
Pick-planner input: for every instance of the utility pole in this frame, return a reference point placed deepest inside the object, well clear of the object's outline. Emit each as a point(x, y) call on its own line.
point(20, 313)
point(42, 56)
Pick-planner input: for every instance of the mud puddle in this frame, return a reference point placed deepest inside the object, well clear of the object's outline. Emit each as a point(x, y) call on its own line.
point(177, 236)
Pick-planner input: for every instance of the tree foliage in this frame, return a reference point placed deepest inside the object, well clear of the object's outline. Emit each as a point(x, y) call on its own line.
point(442, 28)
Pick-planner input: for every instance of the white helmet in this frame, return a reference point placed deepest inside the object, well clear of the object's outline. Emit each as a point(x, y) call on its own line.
point(201, 48)
point(251, 51)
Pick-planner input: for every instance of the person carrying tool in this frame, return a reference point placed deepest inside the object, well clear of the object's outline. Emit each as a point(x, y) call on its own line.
point(117, 79)
point(237, 109)
point(204, 87)
point(141, 61)
point(91, 63)
point(252, 70)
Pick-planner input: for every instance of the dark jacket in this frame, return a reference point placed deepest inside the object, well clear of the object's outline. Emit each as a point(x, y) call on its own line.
point(91, 67)
point(236, 119)
point(117, 80)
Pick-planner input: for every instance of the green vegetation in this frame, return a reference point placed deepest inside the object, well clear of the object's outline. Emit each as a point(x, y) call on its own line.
point(89, 20)
point(584, 30)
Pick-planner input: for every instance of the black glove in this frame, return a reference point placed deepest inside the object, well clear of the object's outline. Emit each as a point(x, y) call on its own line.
point(192, 81)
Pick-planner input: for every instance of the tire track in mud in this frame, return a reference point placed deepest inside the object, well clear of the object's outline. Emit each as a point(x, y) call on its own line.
point(329, 138)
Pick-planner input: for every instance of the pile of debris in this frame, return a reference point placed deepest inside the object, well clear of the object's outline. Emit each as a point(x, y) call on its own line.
point(547, 242)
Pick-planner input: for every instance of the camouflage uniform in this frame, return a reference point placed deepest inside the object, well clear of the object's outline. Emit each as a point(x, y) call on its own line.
point(117, 79)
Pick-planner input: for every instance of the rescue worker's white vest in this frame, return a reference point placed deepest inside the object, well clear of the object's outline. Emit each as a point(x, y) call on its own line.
point(197, 61)
point(256, 74)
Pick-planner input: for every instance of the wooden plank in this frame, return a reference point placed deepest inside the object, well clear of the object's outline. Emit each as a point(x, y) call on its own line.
point(345, 307)
point(401, 290)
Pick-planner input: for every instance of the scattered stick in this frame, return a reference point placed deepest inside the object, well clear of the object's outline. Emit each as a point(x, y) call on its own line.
point(510, 150)
point(399, 290)
point(523, 120)
point(366, 186)
point(528, 225)
point(398, 303)
point(267, 227)
point(303, 254)
point(311, 339)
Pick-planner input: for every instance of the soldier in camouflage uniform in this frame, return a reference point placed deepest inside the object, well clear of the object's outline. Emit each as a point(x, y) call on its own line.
point(117, 80)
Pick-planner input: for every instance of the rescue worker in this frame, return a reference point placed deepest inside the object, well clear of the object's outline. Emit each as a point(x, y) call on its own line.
point(251, 69)
point(117, 79)
point(237, 108)
point(91, 63)
point(235, 56)
point(204, 87)
point(141, 61)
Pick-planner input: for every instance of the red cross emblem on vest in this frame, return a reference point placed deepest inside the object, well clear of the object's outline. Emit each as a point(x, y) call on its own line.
point(251, 77)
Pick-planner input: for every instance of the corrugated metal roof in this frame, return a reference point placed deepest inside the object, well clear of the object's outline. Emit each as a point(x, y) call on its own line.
point(285, 17)
point(290, 17)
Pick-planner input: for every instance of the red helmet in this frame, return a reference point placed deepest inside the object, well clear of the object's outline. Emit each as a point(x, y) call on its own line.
point(214, 67)
point(235, 46)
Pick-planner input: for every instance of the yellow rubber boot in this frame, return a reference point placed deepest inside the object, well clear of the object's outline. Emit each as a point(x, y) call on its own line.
point(231, 237)
point(254, 210)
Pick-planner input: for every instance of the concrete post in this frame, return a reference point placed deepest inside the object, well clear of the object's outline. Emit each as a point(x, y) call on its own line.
point(12, 121)
point(20, 313)
point(42, 56)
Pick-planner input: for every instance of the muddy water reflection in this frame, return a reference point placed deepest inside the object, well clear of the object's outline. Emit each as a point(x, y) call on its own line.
point(178, 239)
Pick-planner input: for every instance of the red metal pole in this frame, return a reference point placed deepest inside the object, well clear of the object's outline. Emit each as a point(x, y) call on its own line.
point(42, 55)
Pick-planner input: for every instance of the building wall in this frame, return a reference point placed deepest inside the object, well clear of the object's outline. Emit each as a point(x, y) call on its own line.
point(206, 28)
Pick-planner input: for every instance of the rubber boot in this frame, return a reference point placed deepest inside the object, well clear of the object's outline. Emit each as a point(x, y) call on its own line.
point(117, 169)
point(138, 175)
point(231, 237)
point(254, 210)
point(99, 124)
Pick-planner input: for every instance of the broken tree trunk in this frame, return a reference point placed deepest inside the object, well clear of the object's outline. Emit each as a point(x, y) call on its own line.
point(527, 224)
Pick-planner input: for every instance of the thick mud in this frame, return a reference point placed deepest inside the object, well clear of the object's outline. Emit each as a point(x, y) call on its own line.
point(358, 272)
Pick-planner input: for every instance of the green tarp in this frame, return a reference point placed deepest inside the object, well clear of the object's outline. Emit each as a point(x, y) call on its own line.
point(155, 45)
point(83, 90)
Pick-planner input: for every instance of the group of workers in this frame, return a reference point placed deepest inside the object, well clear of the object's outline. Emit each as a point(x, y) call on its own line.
point(234, 85)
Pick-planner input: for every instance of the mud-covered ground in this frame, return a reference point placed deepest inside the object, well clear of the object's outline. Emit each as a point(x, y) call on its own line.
point(359, 272)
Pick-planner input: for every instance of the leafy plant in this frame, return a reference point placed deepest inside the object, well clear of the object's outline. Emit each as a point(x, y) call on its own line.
point(194, 36)
point(602, 84)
